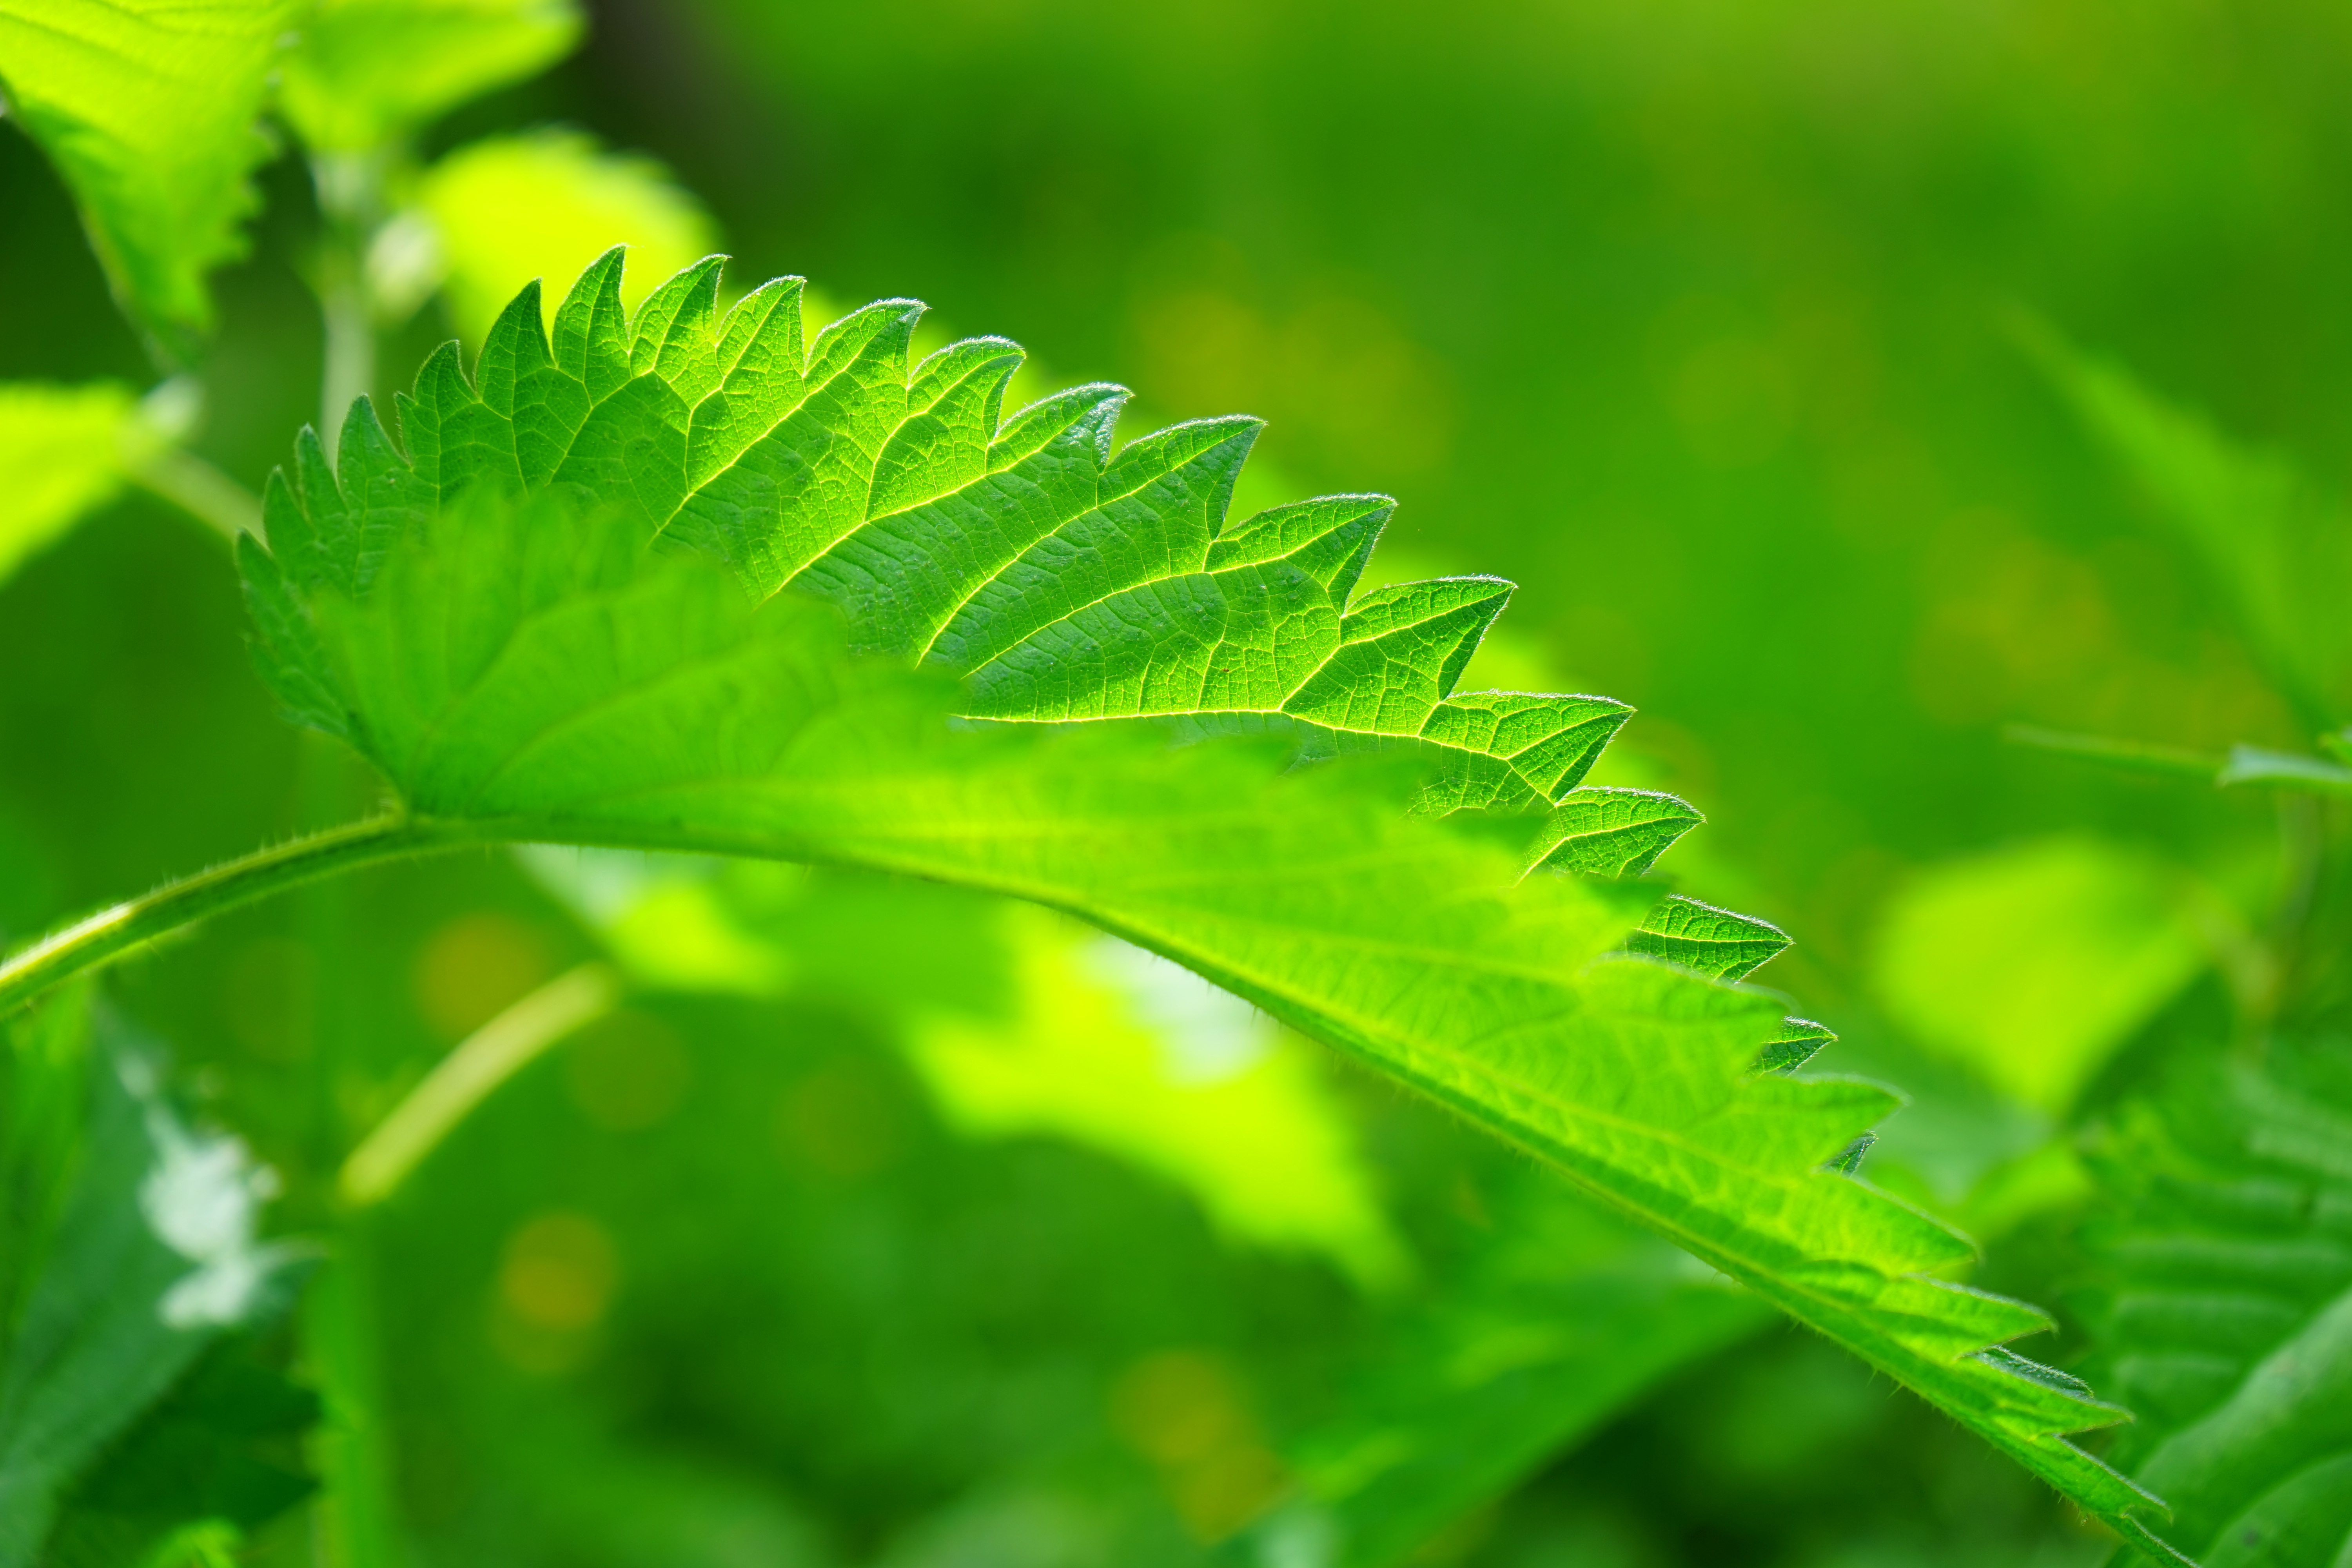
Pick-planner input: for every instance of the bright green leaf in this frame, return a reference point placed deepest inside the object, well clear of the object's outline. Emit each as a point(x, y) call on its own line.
point(529, 671)
point(367, 73)
point(1118, 1049)
point(1092, 1040)
point(2033, 964)
point(1613, 832)
point(62, 455)
point(509, 209)
point(147, 109)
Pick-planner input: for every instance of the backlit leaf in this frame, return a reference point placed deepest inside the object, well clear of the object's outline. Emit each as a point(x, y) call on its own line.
point(529, 669)
point(147, 109)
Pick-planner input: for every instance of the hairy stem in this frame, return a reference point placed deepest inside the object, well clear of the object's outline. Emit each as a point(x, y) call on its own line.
point(469, 1074)
point(112, 933)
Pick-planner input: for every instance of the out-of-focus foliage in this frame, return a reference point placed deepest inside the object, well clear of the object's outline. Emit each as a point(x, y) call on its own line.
point(149, 109)
point(2220, 1240)
point(365, 74)
point(2279, 548)
point(2033, 964)
point(61, 455)
point(1030, 1024)
point(507, 210)
point(2226, 1315)
point(129, 1245)
point(1693, 319)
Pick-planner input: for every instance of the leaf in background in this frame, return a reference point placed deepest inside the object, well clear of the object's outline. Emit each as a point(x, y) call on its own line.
point(1556, 1321)
point(147, 1256)
point(2285, 770)
point(45, 1073)
point(147, 109)
point(62, 455)
point(1561, 1320)
point(1086, 1037)
point(1122, 1050)
point(508, 209)
point(2279, 548)
point(216, 1458)
point(529, 671)
point(2032, 964)
point(2228, 1320)
point(367, 73)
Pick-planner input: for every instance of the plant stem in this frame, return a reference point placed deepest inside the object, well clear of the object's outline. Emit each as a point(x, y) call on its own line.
point(200, 491)
point(469, 1075)
point(351, 194)
point(112, 933)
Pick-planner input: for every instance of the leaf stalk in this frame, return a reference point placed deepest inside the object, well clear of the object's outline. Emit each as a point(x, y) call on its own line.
point(112, 933)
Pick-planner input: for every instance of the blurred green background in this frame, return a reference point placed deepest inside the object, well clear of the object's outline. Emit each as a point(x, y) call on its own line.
point(1700, 321)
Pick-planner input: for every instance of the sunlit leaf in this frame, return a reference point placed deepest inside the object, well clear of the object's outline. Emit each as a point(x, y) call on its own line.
point(1086, 1037)
point(62, 453)
point(531, 670)
point(508, 209)
point(147, 109)
point(365, 73)
point(2032, 964)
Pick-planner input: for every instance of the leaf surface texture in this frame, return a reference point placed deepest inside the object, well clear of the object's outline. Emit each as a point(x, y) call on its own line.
point(147, 109)
point(530, 667)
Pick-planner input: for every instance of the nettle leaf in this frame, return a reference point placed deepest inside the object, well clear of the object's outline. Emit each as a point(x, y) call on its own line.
point(2229, 1317)
point(126, 1248)
point(364, 73)
point(529, 669)
point(1556, 1318)
point(147, 109)
point(1612, 832)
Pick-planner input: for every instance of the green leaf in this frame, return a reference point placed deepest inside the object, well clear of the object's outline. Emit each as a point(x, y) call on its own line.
point(2032, 964)
point(131, 1249)
point(1544, 1332)
point(213, 1461)
point(1711, 941)
point(508, 209)
point(2255, 765)
point(63, 451)
point(2275, 544)
point(1612, 832)
point(1797, 1042)
point(1080, 1036)
point(2228, 1317)
point(147, 109)
point(367, 73)
point(528, 669)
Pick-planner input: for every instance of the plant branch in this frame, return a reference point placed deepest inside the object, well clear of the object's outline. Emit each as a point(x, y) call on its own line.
point(112, 933)
point(469, 1074)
